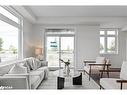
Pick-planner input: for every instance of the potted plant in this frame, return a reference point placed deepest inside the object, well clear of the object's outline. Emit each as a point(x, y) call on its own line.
point(66, 69)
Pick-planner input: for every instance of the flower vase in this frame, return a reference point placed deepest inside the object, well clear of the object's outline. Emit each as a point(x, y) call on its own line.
point(67, 70)
point(64, 70)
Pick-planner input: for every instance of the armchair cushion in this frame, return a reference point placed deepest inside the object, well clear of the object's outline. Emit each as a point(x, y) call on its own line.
point(111, 83)
point(100, 60)
point(37, 73)
point(123, 72)
point(94, 69)
point(34, 81)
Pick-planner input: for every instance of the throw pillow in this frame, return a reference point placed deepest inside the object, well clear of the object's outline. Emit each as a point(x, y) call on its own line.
point(18, 69)
point(30, 62)
point(27, 66)
point(37, 62)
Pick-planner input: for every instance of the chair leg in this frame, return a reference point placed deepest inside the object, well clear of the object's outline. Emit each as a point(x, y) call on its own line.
point(84, 72)
point(90, 73)
point(108, 74)
point(121, 85)
point(101, 74)
point(100, 87)
point(107, 71)
point(89, 77)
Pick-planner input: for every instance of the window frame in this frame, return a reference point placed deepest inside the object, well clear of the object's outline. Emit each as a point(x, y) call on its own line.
point(106, 35)
point(17, 25)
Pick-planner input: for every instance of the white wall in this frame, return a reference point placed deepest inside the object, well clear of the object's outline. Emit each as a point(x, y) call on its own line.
point(28, 49)
point(87, 43)
point(87, 40)
point(126, 44)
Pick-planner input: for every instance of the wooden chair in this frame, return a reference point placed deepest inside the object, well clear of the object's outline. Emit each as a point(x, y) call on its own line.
point(115, 83)
point(99, 64)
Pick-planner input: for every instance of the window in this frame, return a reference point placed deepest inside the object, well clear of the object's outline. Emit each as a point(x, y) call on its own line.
point(8, 15)
point(108, 41)
point(10, 37)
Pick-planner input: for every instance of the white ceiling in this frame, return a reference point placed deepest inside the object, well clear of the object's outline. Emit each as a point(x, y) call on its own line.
point(91, 11)
point(105, 16)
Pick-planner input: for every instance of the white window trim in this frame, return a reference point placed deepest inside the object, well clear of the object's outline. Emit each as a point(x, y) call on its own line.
point(106, 36)
point(17, 25)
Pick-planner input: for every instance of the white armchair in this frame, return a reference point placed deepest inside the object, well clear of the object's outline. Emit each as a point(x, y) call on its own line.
point(99, 64)
point(116, 83)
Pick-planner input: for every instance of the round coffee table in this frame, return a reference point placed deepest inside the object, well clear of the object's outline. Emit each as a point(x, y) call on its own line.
point(74, 74)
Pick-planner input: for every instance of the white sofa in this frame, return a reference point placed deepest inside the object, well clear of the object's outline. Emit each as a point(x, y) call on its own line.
point(116, 83)
point(24, 74)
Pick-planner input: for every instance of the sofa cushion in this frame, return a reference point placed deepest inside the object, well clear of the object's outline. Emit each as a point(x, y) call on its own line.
point(42, 68)
point(30, 63)
point(37, 63)
point(34, 80)
point(123, 73)
point(18, 69)
point(44, 63)
point(37, 73)
point(46, 71)
point(27, 66)
point(110, 83)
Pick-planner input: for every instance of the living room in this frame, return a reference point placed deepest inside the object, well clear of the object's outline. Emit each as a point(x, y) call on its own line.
point(44, 39)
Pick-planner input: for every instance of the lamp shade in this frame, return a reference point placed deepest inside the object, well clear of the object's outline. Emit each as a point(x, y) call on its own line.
point(38, 51)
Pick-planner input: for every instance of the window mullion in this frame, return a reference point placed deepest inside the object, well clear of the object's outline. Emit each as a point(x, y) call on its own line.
point(105, 41)
point(116, 44)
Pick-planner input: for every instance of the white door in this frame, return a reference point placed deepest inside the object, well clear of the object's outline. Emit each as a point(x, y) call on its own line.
point(59, 47)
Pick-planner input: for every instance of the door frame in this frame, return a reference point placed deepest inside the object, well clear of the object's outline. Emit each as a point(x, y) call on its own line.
point(63, 35)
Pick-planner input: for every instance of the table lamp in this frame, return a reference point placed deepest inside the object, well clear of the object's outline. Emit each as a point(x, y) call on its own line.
point(38, 53)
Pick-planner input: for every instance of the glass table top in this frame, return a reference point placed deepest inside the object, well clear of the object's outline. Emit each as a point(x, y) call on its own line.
point(73, 73)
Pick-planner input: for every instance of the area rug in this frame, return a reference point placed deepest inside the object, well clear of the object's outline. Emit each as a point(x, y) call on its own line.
point(51, 83)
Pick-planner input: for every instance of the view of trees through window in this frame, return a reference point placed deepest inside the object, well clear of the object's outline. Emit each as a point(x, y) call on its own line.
point(108, 40)
point(8, 42)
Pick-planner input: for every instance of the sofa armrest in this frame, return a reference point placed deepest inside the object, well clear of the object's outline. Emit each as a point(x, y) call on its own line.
point(111, 70)
point(14, 82)
point(16, 75)
point(121, 82)
point(95, 64)
point(20, 75)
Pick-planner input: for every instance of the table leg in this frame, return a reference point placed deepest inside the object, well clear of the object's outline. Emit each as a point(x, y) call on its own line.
point(77, 80)
point(60, 82)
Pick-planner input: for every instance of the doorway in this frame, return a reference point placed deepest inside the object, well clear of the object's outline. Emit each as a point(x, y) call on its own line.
point(60, 44)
